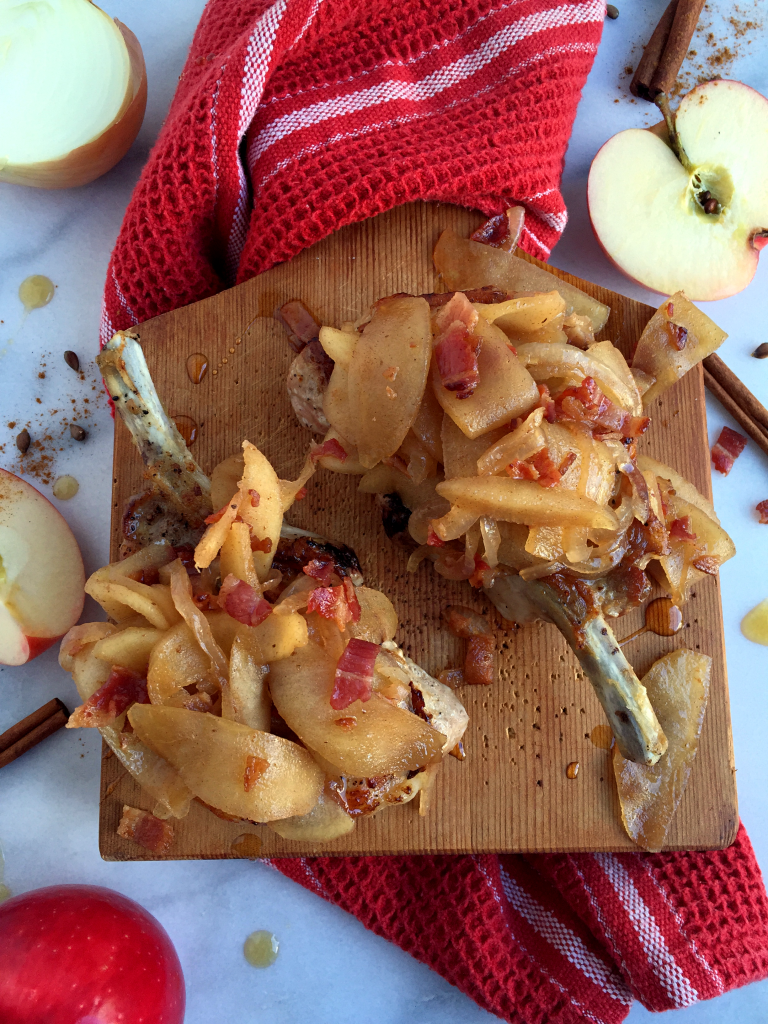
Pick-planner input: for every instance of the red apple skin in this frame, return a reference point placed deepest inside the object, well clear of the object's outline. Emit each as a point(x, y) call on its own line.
point(30, 645)
point(77, 953)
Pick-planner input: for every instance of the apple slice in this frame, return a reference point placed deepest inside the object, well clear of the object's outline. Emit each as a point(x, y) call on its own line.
point(41, 573)
point(648, 210)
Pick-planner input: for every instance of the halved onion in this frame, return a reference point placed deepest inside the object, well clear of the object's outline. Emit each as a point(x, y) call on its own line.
point(73, 90)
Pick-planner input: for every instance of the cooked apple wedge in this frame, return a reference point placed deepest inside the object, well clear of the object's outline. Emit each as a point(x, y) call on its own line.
point(696, 226)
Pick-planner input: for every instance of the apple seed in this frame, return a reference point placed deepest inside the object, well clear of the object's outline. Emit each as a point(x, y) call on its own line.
point(23, 441)
point(761, 352)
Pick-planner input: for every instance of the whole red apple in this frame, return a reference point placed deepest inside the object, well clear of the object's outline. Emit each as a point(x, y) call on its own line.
point(80, 954)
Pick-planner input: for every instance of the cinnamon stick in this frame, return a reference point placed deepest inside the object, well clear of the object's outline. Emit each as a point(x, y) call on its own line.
point(31, 730)
point(666, 50)
point(747, 424)
point(738, 391)
point(640, 85)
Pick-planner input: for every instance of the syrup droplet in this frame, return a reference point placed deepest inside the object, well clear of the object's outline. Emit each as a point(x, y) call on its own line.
point(572, 770)
point(601, 736)
point(247, 846)
point(662, 617)
point(36, 291)
point(260, 949)
point(754, 625)
point(65, 487)
point(187, 427)
point(197, 367)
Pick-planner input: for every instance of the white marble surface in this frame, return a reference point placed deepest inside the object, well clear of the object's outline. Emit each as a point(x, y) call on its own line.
point(48, 799)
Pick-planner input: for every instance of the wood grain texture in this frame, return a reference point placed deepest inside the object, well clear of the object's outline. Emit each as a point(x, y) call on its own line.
point(511, 793)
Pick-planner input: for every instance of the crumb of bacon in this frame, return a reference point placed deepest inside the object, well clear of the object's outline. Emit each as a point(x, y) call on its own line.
point(762, 510)
point(254, 769)
point(122, 689)
point(145, 829)
point(726, 449)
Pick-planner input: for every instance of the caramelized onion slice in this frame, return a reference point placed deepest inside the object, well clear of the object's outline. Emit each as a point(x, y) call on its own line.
point(678, 688)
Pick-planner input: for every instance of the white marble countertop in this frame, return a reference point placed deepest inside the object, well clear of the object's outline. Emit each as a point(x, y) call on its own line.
point(49, 798)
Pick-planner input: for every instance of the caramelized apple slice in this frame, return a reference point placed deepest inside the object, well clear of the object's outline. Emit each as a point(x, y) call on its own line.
point(365, 739)
point(465, 265)
point(505, 390)
point(387, 376)
point(678, 687)
point(677, 336)
point(238, 770)
point(326, 821)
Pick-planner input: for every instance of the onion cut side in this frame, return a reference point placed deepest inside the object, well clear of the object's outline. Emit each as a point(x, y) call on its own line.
point(73, 91)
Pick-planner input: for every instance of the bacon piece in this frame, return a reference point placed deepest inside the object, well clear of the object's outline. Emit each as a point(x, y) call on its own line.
point(726, 449)
point(465, 623)
point(331, 447)
point(762, 510)
point(478, 661)
point(333, 603)
point(214, 517)
point(456, 358)
point(480, 577)
point(678, 336)
point(351, 595)
point(264, 545)
point(301, 493)
point(240, 600)
point(546, 403)
point(255, 497)
point(186, 555)
point(254, 769)
point(502, 231)
point(433, 540)
point(680, 529)
point(122, 689)
point(149, 575)
point(548, 473)
point(145, 829)
point(587, 405)
point(707, 564)
point(518, 470)
point(299, 323)
point(320, 570)
point(354, 674)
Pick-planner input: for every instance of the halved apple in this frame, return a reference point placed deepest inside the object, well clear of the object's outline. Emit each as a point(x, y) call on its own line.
point(650, 213)
point(41, 573)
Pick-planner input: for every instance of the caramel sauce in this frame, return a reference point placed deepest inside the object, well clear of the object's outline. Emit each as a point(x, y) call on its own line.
point(662, 617)
point(247, 846)
point(573, 769)
point(754, 625)
point(187, 427)
point(601, 736)
point(36, 291)
point(260, 949)
point(197, 367)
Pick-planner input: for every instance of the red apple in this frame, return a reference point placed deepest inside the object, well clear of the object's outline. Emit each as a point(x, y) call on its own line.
point(72, 954)
point(697, 228)
point(41, 572)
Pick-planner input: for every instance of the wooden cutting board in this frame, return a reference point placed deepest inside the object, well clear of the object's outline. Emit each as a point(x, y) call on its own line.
point(511, 793)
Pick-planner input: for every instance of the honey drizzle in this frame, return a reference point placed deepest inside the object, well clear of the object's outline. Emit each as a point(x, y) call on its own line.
point(662, 617)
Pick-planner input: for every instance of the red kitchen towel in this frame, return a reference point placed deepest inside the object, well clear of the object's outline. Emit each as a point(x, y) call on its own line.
point(296, 117)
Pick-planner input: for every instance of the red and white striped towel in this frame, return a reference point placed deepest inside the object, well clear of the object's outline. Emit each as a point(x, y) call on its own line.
point(296, 117)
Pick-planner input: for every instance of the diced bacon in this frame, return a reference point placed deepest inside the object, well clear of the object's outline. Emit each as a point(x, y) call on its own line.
point(254, 769)
point(680, 529)
point(762, 510)
point(706, 564)
point(122, 689)
point(301, 493)
point(255, 497)
point(330, 448)
point(149, 575)
point(456, 358)
point(478, 661)
point(548, 473)
point(566, 464)
point(457, 309)
point(433, 540)
point(678, 336)
point(465, 623)
point(320, 570)
point(354, 674)
point(186, 555)
point(518, 470)
point(144, 828)
point(346, 723)
point(351, 595)
point(546, 403)
point(479, 577)
point(264, 545)
point(300, 324)
point(727, 449)
point(586, 404)
point(240, 600)
point(332, 603)
point(214, 517)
